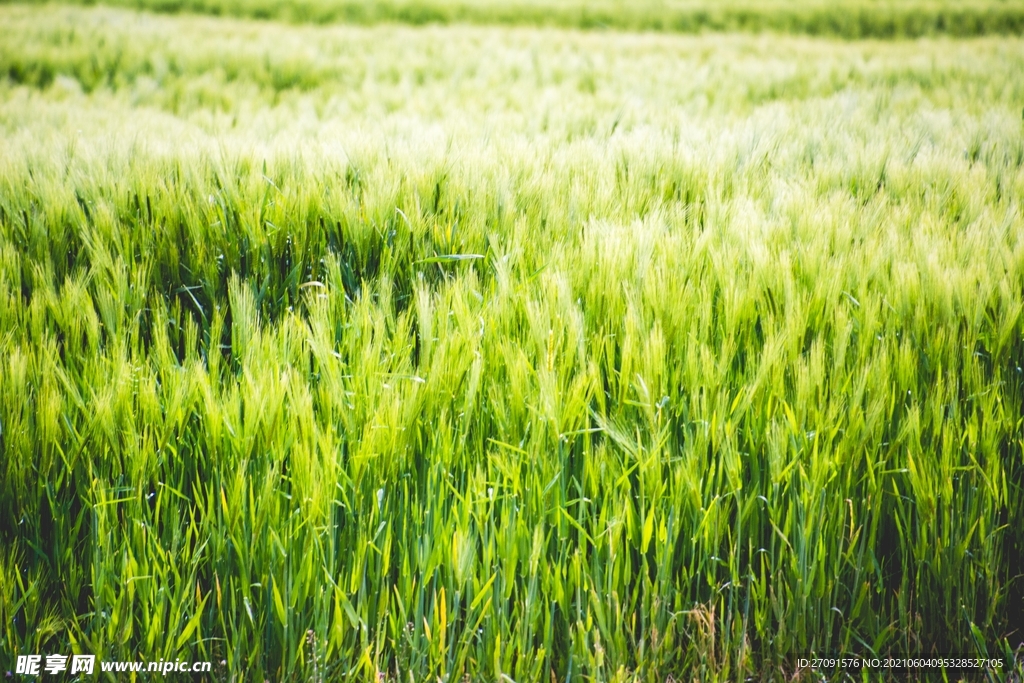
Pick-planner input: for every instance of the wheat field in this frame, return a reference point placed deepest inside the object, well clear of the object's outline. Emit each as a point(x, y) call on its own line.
point(475, 351)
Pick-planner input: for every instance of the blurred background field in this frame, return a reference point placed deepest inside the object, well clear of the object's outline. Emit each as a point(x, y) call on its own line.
point(428, 346)
point(840, 18)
